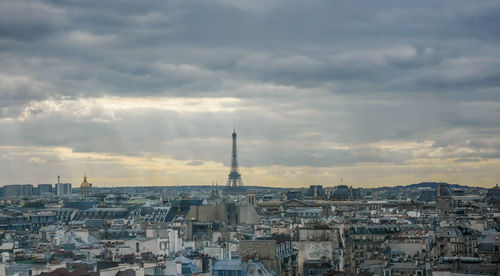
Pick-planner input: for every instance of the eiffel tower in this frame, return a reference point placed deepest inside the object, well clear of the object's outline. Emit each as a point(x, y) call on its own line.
point(234, 178)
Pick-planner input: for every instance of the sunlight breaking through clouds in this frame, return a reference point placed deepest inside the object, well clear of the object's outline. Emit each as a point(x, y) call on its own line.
point(148, 93)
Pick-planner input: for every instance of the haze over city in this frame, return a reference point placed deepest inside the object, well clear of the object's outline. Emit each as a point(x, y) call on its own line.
point(378, 93)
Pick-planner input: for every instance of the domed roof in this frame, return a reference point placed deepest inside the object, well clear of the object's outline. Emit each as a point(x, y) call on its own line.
point(85, 184)
point(85, 187)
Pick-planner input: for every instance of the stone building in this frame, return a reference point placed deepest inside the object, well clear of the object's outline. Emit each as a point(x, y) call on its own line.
point(276, 253)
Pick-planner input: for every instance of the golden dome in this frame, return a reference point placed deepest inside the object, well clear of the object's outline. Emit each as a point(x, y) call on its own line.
point(85, 187)
point(84, 183)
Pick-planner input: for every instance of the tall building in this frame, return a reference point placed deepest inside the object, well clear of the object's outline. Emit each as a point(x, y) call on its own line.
point(444, 196)
point(63, 189)
point(85, 187)
point(24, 190)
point(315, 191)
point(234, 178)
point(44, 189)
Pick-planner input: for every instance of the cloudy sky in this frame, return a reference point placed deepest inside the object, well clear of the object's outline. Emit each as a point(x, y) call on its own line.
point(147, 92)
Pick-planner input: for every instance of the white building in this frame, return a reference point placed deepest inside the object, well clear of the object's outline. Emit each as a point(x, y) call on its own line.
point(63, 189)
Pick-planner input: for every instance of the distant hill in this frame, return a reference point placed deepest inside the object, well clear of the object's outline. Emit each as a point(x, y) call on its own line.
point(432, 185)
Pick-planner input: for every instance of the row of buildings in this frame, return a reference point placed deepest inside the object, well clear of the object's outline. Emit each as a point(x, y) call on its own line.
point(58, 189)
point(205, 231)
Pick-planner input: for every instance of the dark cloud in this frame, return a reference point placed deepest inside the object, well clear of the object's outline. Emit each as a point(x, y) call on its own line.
point(319, 84)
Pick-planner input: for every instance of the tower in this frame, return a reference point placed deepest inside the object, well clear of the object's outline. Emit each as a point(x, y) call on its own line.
point(234, 178)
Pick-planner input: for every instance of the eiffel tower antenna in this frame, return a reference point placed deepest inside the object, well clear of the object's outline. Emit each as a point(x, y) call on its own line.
point(234, 178)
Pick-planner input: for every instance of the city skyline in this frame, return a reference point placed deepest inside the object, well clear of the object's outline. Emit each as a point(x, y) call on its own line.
point(147, 94)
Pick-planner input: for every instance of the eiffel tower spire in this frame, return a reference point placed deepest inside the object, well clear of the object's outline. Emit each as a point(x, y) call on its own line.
point(234, 178)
